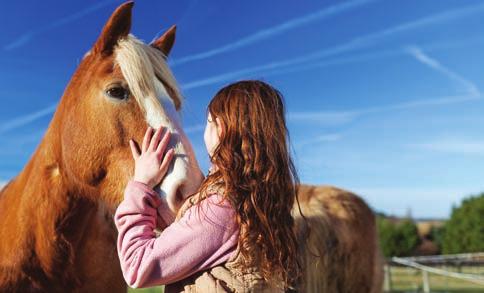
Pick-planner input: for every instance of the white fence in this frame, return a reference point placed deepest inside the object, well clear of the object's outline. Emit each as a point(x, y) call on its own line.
point(430, 264)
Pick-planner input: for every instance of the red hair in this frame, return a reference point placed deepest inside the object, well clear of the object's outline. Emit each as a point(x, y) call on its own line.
point(257, 174)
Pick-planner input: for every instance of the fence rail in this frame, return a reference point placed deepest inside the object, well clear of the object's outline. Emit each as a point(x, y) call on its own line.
point(426, 264)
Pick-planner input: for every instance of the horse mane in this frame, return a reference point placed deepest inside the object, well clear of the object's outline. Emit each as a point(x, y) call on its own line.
point(144, 67)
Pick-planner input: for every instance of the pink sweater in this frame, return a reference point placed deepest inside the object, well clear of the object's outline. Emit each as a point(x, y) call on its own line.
point(201, 239)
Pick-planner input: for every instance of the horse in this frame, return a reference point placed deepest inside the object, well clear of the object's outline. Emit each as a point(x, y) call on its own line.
point(338, 238)
point(57, 232)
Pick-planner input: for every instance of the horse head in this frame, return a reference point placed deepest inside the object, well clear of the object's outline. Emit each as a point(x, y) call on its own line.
point(121, 87)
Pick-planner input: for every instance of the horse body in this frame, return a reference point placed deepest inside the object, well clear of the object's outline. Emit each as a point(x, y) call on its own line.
point(53, 238)
point(341, 253)
point(57, 232)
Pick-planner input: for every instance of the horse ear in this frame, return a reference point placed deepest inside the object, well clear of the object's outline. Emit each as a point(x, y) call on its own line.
point(166, 41)
point(117, 27)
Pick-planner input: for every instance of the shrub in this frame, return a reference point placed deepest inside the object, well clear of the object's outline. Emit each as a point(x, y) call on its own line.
point(397, 239)
point(464, 232)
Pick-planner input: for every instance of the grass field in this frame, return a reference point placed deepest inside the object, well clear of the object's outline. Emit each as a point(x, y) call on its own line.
point(410, 280)
point(147, 290)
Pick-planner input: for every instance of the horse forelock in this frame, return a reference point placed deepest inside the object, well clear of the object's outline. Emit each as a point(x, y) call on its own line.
point(152, 84)
point(148, 76)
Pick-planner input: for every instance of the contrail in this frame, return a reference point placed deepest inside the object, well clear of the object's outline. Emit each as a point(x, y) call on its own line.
point(356, 43)
point(453, 145)
point(333, 118)
point(328, 118)
point(275, 30)
point(29, 35)
point(268, 70)
point(342, 117)
point(371, 56)
point(458, 146)
point(434, 64)
point(25, 119)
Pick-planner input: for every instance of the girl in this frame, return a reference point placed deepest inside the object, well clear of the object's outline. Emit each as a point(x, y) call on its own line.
point(237, 233)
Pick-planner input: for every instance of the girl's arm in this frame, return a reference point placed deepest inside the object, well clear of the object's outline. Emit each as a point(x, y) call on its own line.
point(201, 239)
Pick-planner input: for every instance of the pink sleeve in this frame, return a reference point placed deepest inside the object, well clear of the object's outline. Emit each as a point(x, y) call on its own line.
point(201, 239)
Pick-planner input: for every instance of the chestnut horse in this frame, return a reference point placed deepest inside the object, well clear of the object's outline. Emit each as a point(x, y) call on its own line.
point(57, 231)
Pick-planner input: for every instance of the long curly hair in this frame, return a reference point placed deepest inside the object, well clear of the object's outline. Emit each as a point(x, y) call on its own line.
point(256, 172)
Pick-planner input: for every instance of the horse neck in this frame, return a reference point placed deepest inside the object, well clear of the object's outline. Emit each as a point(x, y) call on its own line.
point(44, 219)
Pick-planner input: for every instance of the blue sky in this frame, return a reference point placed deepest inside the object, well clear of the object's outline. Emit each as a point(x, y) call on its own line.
point(383, 96)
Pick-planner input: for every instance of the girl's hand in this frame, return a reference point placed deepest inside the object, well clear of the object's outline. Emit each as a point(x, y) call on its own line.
point(151, 165)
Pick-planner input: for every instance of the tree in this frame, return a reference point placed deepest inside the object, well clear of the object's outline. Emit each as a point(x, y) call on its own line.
point(397, 239)
point(464, 232)
point(436, 235)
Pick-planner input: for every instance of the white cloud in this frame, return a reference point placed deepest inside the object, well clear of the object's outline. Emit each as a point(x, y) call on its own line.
point(329, 118)
point(464, 147)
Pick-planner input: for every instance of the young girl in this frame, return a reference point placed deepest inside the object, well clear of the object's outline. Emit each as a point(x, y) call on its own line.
point(236, 234)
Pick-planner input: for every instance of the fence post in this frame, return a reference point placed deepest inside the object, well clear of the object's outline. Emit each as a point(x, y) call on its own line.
point(426, 284)
point(387, 286)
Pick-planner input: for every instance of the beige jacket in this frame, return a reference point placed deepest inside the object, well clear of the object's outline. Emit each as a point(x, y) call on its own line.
point(223, 278)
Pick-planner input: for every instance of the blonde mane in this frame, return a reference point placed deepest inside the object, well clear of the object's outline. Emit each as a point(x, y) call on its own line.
point(153, 86)
point(142, 66)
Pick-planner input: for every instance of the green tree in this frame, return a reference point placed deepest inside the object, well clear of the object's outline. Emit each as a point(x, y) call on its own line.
point(464, 232)
point(397, 239)
point(436, 235)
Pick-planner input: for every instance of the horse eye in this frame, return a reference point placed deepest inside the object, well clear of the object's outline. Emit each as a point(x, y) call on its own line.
point(117, 92)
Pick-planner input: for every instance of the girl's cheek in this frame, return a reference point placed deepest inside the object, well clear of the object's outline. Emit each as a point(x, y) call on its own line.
point(206, 138)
